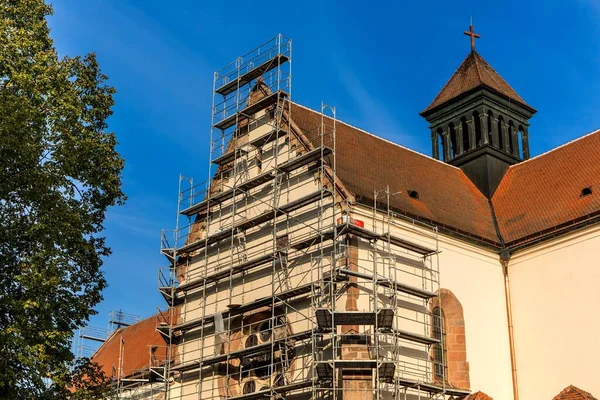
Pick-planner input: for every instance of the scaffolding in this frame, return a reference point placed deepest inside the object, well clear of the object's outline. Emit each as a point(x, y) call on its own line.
point(278, 284)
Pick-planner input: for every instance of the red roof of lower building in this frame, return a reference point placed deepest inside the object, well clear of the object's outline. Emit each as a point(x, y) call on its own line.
point(574, 393)
point(478, 396)
point(131, 347)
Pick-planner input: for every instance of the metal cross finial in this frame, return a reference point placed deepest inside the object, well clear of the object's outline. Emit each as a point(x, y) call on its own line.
point(473, 35)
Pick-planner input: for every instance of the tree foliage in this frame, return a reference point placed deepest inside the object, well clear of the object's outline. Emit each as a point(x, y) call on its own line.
point(59, 172)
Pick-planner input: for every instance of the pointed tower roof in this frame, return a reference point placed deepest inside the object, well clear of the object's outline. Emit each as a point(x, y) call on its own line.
point(474, 72)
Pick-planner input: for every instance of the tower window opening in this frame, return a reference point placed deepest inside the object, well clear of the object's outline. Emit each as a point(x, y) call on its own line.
point(477, 127)
point(453, 141)
point(464, 126)
point(586, 191)
point(490, 128)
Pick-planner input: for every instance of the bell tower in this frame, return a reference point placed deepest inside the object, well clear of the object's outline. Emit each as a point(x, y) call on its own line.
point(479, 123)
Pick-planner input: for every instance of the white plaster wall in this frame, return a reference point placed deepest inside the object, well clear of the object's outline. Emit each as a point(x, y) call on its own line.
point(555, 297)
point(476, 279)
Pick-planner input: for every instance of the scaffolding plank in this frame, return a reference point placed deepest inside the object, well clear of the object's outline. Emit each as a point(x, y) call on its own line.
point(254, 73)
point(358, 231)
point(264, 301)
point(304, 201)
point(326, 318)
point(268, 137)
point(229, 156)
point(386, 368)
point(258, 180)
point(431, 388)
point(408, 245)
point(305, 158)
point(313, 240)
point(413, 337)
point(401, 287)
point(276, 389)
point(258, 349)
point(253, 263)
point(395, 240)
point(251, 109)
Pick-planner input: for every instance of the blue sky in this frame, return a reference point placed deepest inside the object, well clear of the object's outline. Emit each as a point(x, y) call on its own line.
point(379, 64)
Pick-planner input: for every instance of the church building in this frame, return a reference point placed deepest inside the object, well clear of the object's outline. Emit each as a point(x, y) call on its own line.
point(322, 261)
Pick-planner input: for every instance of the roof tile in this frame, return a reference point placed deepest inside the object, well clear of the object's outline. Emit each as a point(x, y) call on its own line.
point(365, 163)
point(545, 192)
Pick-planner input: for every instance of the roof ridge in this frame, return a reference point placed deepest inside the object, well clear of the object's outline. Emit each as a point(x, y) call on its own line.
point(378, 137)
point(477, 65)
point(556, 148)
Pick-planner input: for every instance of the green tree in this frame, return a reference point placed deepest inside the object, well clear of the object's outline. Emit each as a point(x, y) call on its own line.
point(59, 172)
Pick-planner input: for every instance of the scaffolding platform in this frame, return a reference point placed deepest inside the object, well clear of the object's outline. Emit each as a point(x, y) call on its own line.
point(261, 104)
point(262, 302)
point(166, 291)
point(229, 157)
point(268, 137)
point(370, 235)
point(431, 388)
point(254, 221)
point(327, 319)
point(413, 337)
point(251, 75)
point(287, 167)
point(248, 265)
point(385, 369)
point(262, 348)
point(274, 392)
point(306, 158)
point(230, 193)
point(389, 283)
point(314, 240)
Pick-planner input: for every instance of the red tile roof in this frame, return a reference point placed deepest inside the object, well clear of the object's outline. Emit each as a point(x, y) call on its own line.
point(573, 393)
point(478, 396)
point(534, 197)
point(136, 340)
point(542, 193)
point(366, 163)
point(474, 72)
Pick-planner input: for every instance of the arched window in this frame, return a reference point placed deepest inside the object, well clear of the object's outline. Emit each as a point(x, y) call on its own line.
point(465, 133)
point(449, 353)
point(439, 356)
point(477, 126)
